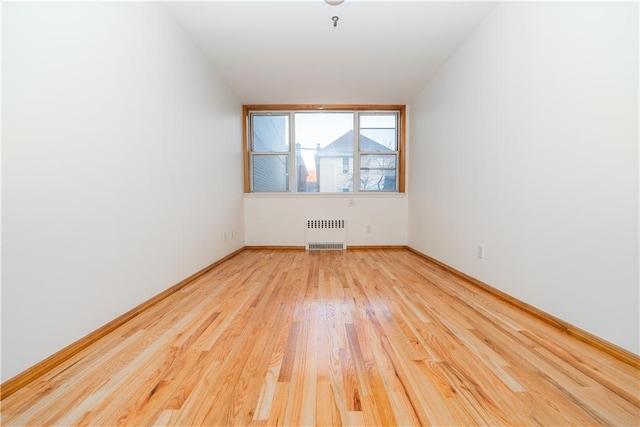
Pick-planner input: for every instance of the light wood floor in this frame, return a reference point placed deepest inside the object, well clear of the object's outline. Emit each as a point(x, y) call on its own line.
point(363, 337)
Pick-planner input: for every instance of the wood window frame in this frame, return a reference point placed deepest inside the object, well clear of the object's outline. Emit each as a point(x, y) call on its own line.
point(402, 131)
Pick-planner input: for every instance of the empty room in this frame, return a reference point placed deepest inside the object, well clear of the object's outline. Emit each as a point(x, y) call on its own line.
point(320, 212)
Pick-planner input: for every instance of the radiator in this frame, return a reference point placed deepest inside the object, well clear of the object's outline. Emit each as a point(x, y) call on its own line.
point(326, 234)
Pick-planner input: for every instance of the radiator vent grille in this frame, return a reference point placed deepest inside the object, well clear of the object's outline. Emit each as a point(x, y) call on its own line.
point(326, 234)
point(325, 246)
point(325, 223)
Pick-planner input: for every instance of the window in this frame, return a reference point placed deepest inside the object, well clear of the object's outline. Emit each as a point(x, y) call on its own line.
point(346, 162)
point(270, 152)
point(324, 149)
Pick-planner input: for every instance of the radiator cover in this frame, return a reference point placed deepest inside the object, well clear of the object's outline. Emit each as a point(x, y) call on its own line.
point(325, 234)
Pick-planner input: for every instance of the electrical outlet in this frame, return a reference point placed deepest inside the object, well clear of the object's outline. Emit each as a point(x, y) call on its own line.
point(368, 229)
point(480, 251)
point(224, 236)
point(352, 203)
point(231, 235)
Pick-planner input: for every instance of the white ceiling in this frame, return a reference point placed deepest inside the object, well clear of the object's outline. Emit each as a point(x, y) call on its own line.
point(288, 52)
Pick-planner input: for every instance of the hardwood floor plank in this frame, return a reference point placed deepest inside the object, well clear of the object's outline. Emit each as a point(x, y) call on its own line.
point(367, 337)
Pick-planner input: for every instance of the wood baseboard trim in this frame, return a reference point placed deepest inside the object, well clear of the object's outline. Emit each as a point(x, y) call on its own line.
point(302, 248)
point(584, 336)
point(372, 247)
point(14, 384)
point(276, 248)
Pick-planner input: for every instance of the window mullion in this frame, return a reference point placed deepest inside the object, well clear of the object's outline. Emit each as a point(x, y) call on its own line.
point(356, 153)
point(249, 147)
point(292, 155)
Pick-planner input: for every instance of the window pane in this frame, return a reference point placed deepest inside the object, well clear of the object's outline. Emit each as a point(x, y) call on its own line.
point(379, 132)
point(269, 133)
point(324, 152)
point(270, 173)
point(377, 139)
point(378, 172)
point(383, 120)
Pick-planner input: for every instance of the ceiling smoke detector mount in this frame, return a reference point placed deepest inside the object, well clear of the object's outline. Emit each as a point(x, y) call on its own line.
point(334, 2)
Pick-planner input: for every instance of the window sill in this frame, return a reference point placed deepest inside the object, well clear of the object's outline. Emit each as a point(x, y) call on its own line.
point(385, 195)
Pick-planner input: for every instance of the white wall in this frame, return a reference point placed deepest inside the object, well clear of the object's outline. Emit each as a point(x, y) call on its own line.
point(121, 168)
point(526, 142)
point(280, 220)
